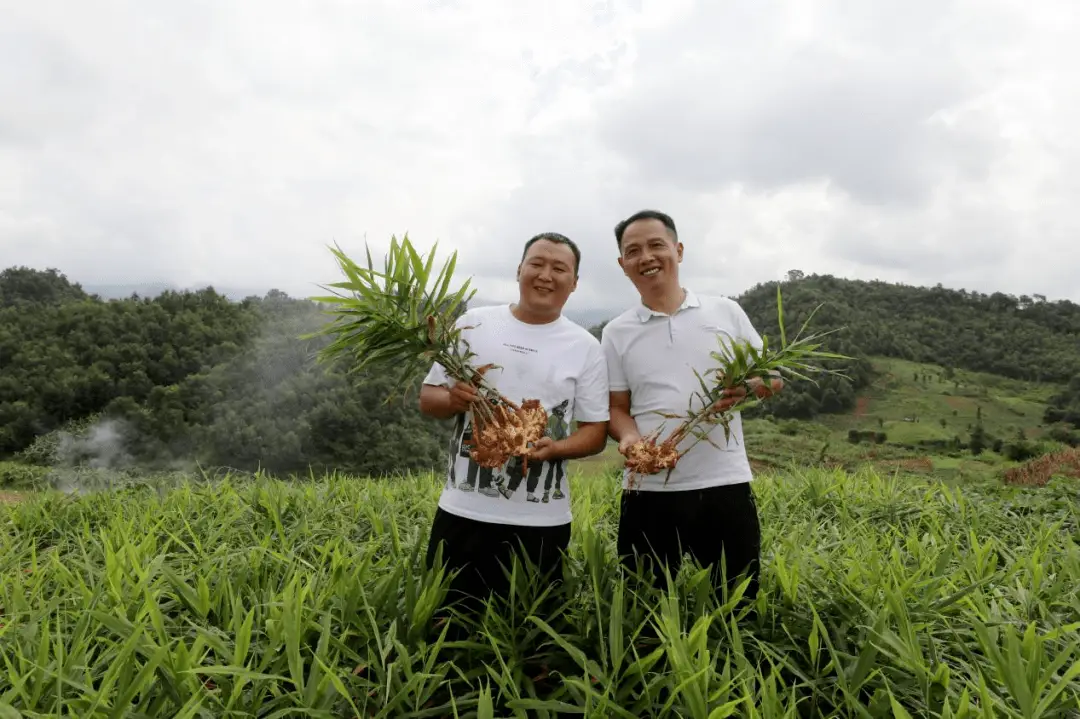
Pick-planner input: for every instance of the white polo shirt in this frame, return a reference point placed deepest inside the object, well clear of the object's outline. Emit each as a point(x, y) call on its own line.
point(654, 356)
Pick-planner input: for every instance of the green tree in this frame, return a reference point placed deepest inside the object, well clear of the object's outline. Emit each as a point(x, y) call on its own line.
point(978, 441)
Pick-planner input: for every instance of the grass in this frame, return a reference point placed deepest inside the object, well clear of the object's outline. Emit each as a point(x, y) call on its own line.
point(911, 400)
point(913, 405)
point(882, 596)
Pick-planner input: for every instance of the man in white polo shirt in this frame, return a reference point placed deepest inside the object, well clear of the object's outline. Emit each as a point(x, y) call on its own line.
point(706, 508)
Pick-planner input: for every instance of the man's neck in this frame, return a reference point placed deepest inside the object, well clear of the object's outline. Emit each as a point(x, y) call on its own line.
point(667, 301)
point(531, 317)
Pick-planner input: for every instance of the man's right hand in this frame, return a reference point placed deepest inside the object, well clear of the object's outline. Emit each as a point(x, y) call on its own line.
point(628, 441)
point(462, 395)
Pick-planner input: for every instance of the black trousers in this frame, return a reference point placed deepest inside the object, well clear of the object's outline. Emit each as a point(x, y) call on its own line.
point(480, 550)
point(705, 523)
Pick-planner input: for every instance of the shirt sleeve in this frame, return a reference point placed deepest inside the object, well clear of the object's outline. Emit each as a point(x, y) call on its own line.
point(747, 332)
point(437, 376)
point(591, 400)
point(615, 375)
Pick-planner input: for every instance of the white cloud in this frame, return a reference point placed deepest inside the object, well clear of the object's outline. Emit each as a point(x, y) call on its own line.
point(231, 142)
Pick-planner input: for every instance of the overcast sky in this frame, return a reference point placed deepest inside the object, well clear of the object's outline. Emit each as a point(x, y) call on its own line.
point(230, 141)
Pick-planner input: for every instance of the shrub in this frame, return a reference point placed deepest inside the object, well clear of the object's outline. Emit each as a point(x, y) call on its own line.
point(15, 475)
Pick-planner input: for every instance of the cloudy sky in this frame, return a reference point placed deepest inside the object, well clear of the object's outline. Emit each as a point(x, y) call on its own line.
point(228, 142)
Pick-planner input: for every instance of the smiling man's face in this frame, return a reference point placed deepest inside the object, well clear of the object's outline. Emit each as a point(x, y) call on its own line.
point(650, 257)
point(547, 276)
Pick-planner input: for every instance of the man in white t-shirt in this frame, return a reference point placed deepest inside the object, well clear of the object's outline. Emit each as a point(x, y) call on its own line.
point(484, 514)
point(706, 508)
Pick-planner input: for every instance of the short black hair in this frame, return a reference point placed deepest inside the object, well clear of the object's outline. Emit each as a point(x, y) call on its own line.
point(669, 223)
point(558, 239)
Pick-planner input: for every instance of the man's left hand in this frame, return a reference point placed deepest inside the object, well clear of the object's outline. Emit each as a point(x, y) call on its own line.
point(729, 398)
point(763, 389)
point(545, 449)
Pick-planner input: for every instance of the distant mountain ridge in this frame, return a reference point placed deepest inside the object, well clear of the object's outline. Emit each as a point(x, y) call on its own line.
point(153, 289)
point(585, 317)
point(863, 306)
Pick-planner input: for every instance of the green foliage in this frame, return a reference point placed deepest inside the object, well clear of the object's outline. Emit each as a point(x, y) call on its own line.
point(1062, 433)
point(53, 447)
point(930, 415)
point(1019, 338)
point(881, 596)
point(979, 439)
point(274, 407)
point(64, 362)
point(1022, 450)
point(25, 287)
point(393, 319)
point(16, 475)
point(192, 377)
point(1065, 406)
point(856, 436)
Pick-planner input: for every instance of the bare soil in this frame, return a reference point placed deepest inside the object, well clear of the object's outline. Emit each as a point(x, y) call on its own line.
point(959, 402)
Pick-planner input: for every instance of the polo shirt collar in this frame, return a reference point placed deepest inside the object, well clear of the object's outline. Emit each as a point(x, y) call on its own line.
point(644, 314)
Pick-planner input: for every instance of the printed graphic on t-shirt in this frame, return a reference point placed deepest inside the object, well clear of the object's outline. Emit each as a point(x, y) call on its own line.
point(503, 482)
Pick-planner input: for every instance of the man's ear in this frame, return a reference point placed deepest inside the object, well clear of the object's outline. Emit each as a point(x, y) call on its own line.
point(518, 275)
point(621, 265)
point(678, 248)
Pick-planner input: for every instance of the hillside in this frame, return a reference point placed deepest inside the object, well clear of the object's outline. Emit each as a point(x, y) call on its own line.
point(187, 377)
point(914, 418)
point(1023, 337)
point(190, 377)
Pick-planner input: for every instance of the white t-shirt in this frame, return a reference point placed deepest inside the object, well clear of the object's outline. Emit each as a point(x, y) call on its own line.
point(558, 363)
point(654, 356)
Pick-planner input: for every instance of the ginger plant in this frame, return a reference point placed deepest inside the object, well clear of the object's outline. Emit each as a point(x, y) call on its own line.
point(738, 364)
point(404, 316)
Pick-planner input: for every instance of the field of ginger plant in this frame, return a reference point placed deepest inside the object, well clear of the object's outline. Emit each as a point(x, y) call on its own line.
point(882, 596)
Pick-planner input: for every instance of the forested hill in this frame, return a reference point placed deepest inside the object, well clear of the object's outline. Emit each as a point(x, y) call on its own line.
point(1023, 337)
point(193, 376)
point(190, 376)
point(1019, 337)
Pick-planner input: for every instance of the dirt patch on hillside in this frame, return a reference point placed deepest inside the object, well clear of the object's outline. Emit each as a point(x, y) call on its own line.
point(9, 497)
point(862, 404)
point(959, 402)
point(915, 464)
